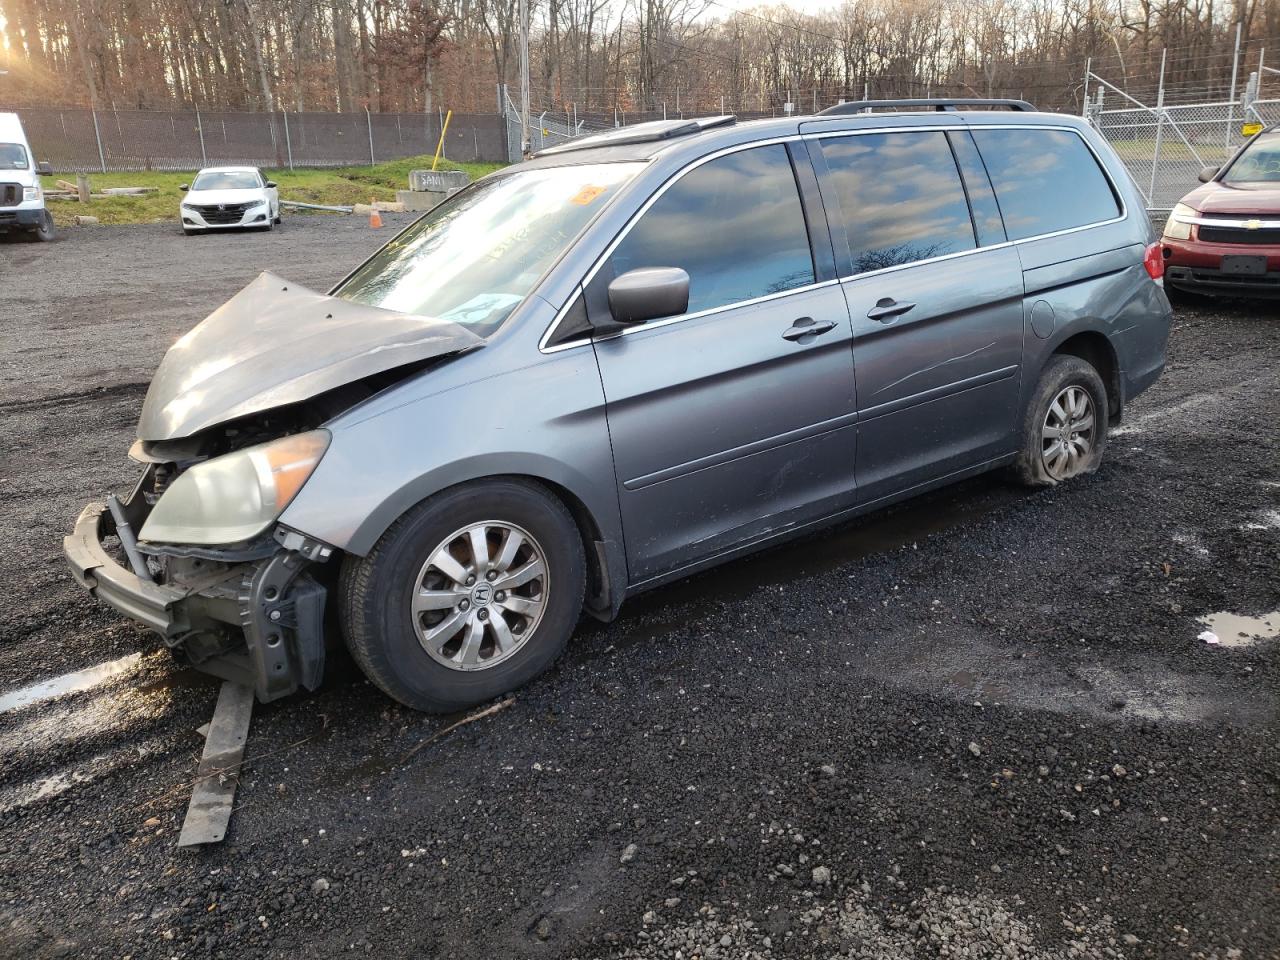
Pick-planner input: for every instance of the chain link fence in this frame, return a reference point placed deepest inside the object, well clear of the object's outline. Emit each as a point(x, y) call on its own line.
point(85, 141)
point(547, 128)
point(1165, 146)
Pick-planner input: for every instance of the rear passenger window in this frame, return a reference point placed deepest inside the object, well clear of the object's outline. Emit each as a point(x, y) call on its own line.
point(1045, 180)
point(734, 224)
point(901, 197)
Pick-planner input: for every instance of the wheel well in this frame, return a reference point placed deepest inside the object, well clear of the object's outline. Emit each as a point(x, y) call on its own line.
point(599, 585)
point(1095, 350)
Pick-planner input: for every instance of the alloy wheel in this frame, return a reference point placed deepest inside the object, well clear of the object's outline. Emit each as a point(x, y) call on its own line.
point(1067, 436)
point(480, 596)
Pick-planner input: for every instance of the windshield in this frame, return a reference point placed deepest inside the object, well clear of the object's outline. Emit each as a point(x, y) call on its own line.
point(1259, 163)
point(13, 156)
point(474, 258)
point(227, 180)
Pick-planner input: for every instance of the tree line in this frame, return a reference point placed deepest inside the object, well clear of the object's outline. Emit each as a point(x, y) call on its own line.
point(602, 57)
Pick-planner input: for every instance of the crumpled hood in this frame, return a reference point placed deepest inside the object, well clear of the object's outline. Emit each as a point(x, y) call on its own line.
point(276, 343)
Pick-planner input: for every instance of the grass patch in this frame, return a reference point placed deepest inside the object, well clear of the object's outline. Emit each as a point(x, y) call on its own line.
point(337, 185)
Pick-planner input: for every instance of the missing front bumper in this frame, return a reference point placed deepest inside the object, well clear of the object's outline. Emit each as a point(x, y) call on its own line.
point(260, 622)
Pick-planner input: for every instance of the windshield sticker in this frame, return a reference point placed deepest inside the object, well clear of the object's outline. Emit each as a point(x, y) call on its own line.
point(587, 194)
point(480, 308)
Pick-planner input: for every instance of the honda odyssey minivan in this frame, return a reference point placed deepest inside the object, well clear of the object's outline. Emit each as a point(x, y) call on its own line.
point(627, 359)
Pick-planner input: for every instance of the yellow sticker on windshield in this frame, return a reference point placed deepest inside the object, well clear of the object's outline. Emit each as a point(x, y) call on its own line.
point(1250, 129)
point(586, 195)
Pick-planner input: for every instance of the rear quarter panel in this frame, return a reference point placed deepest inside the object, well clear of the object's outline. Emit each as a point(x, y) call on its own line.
point(1092, 279)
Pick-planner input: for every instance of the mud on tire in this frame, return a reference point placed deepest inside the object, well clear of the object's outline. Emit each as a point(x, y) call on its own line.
point(1062, 374)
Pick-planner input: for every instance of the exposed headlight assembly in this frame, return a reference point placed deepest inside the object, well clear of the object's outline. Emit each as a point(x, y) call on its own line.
point(1175, 228)
point(236, 496)
point(32, 193)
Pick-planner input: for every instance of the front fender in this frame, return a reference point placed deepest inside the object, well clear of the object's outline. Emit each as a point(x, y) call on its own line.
point(545, 421)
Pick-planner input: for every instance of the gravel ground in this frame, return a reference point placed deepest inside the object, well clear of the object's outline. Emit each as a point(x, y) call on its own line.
point(979, 725)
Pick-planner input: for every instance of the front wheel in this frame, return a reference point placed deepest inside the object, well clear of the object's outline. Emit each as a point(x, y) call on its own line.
point(45, 233)
point(1064, 429)
point(1180, 298)
point(471, 594)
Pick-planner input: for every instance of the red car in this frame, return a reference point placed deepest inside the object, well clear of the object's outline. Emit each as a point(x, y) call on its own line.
point(1224, 236)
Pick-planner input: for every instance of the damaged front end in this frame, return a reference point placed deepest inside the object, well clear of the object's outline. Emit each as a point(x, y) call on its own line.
point(232, 428)
point(253, 613)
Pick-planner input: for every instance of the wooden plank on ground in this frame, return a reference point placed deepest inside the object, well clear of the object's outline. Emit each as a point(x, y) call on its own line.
point(219, 770)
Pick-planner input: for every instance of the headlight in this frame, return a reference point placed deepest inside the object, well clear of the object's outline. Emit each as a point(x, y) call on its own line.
point(188, 206)
point(235, 497)
point(1174, 228)
point(32, 193)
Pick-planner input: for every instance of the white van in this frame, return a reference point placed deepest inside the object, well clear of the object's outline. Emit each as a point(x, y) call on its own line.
point(21, 197)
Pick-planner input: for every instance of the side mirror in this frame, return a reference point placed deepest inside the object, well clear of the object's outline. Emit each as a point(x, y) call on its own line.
point(1208, 173)
point(271, 183)
point(649, 293)
point(184, 187)
point(44, 168)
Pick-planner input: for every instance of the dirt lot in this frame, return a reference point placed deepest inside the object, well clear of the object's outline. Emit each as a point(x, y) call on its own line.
point(980, 725)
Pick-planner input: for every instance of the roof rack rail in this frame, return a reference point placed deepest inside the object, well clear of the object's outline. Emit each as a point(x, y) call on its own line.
point(934, 103)
point(649, 132)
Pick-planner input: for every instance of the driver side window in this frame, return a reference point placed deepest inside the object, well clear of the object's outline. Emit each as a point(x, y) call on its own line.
point(734, 224)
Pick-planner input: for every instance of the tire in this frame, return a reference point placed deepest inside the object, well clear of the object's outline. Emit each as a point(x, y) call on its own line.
point(392, 643)
point(1184, 298)
point(1039, 462)
point(45, 233)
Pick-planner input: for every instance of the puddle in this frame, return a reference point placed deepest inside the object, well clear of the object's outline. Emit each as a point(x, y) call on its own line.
point(1233, 630)
point(67, 683)
point(980, 686)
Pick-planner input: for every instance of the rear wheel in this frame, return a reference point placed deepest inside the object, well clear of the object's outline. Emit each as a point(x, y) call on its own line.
point(471, 594)
point(1064, 429)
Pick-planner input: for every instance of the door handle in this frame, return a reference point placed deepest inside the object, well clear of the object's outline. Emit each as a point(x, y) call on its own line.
point(807, 327)
point(887, 308)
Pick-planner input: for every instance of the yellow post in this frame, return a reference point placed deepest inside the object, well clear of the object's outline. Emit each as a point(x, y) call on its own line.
point(440, 146)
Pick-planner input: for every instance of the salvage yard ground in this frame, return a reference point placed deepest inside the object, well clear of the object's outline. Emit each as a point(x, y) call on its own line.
point(981, 720)
point(338, 185)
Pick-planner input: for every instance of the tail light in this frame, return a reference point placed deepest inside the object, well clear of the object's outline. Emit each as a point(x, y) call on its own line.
point(1153, 260)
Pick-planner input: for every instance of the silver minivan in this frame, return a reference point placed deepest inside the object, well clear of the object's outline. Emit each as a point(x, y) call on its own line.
point(630, 358)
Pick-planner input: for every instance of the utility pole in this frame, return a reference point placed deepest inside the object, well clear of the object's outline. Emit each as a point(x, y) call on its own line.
point(525, 143)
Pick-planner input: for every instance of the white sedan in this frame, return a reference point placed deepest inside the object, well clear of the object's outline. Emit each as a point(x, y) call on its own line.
point(222, 198)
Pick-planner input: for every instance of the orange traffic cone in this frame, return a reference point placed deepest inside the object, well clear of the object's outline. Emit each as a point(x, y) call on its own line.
point(375, 218)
